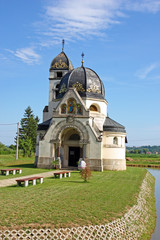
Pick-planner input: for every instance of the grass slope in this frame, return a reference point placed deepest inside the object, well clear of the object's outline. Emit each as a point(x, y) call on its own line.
point(70, 201)
point(150, 226)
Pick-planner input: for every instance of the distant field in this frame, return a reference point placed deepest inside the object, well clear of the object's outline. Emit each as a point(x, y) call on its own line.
point(144, 159)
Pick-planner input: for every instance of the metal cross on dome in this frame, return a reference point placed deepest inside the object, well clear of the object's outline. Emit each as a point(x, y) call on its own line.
point(63, 45)
point(82, 58)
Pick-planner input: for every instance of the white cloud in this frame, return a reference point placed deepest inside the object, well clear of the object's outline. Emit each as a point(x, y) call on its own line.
point(145, 72)
point(78, 19)
point(152, 6)
point(27, 55)
point(74, 19)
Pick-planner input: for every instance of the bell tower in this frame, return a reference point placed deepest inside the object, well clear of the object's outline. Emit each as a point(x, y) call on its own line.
point(60, 65)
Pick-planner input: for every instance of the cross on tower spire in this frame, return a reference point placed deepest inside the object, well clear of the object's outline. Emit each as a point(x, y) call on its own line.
point(82, 58)
point(63, 45)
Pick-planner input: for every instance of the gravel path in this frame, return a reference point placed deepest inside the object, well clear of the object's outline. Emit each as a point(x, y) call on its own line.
point(12, 181)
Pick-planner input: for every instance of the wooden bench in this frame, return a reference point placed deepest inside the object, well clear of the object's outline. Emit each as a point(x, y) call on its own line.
point(11, 170)
point(27, 180)
point(62, 174)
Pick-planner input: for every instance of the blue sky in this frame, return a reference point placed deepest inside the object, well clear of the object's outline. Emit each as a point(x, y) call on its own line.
point(120, 40)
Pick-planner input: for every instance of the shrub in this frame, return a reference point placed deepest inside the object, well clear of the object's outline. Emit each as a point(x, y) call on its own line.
point(86, 172)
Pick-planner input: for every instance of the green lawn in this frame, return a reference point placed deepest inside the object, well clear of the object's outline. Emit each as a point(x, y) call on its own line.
point(26, 164)
point(70, 201)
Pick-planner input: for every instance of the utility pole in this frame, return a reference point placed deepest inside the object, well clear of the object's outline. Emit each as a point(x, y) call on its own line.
point(17, 140)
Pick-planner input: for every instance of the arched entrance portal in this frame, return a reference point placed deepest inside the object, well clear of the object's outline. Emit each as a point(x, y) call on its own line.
point(70, 139)
point(71, 149)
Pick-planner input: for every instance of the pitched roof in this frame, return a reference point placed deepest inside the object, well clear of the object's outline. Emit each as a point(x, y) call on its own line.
point(45, 125)
point(112, 126)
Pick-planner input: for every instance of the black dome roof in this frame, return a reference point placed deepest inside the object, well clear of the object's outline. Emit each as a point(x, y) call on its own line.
point(86, 82)
point(61, 62)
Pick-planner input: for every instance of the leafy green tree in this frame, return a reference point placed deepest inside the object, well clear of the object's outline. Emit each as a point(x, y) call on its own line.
point(26, 145)
point(27, 132)
point(13, 147)
point(145, 150)
point(2, 145)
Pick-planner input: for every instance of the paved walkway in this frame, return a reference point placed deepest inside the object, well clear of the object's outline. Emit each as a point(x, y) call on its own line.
point(12, 181)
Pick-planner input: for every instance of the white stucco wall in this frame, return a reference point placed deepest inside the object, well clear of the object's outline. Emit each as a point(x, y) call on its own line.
point(101, 103)
point(52, 103)
point(114, 154)
point(44, 149)
point(94, 148)
point(108, 139)
point(98, 119)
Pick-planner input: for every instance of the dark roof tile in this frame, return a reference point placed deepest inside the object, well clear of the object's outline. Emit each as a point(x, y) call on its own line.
point(112, 126)
point(45, 125)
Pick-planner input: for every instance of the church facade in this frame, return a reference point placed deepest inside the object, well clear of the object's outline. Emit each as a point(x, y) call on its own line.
point(75, 122)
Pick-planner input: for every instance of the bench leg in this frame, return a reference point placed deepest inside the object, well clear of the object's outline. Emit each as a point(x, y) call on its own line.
point(26, 183)
point(60, 176)
point(14, 172)
point(69, 174)
point(20, 171)
point(41, 180)
point(65, 175)
point(7, 173)
point(34, 181)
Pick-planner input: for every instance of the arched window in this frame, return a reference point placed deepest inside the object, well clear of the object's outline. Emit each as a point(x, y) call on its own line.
point(63, 108)
point(79, 109)
point(93, 108)
point(74, 137)
point(56, 90)
point(71, 105)
point(115, 140)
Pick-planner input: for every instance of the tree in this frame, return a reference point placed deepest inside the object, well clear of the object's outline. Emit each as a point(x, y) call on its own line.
point(145, 150)
point(27, 132)
point(13, 147)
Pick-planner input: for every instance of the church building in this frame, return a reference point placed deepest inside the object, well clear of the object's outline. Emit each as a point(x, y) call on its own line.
point(75, 122)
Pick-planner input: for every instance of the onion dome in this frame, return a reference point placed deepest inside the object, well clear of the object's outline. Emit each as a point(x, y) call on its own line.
point(112, 126)
point(86, 82)
point(61, 62)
